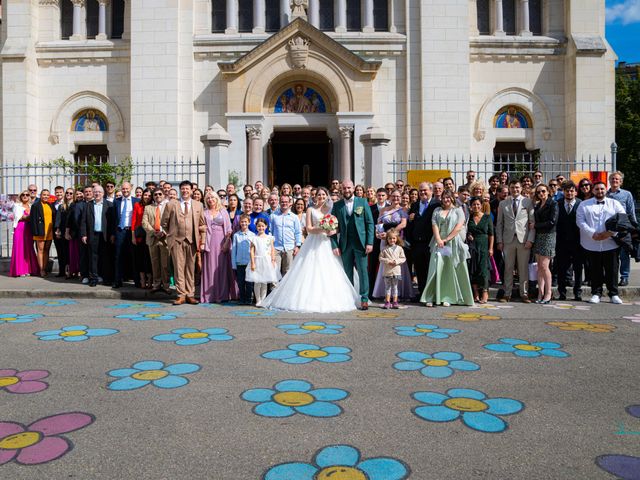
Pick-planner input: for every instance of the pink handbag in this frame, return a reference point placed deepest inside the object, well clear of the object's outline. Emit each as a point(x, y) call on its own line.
point(493, 270)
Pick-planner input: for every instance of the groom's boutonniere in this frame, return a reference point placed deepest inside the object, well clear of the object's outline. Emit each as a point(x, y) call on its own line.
point(359, 210)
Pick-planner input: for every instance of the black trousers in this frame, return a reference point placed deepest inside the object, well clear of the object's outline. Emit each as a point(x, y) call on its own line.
point(566, 261)
point(246, 288)
point(421, 255)
point(124, 256)
point(374, 264)
point(604, 269)
point(85, 259)
point(96, 254)
point(62, 249)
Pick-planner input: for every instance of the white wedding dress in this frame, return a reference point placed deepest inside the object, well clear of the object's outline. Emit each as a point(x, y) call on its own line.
point(316, 281)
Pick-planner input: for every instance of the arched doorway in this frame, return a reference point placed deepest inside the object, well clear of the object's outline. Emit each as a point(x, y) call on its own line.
point(301, 156)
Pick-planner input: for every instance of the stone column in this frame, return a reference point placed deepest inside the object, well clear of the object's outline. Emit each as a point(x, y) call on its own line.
point(232, 17)
point(102, 19)
point(367, 16)
point(376, 155)
point(340, 15)
point(498, 31)
point(285, 11)
point(126, 34)
point(526, 29)
point(392, 18)
point(259, 16)
point(78, 31)
point(314, 13)
point(473, 18)
point(346, 132)
point(254, 135)
point(216, 143)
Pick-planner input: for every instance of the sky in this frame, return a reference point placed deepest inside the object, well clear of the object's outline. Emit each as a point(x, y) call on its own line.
point(623, 29)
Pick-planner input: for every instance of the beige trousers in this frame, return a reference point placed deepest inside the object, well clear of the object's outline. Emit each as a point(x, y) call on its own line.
point(183, 255)
point(515, 253)
point(159, 254)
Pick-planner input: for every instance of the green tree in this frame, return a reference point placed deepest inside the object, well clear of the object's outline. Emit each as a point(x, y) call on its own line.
point(628, 131)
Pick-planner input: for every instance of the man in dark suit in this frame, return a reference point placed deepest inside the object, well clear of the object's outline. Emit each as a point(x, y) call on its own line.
point(78, 215)
point(374, 262)
point(122, 238)
point(569, 253)
point(95, 230)
point(420, 232)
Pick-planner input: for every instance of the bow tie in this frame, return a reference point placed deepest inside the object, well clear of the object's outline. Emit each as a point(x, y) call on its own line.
point(601, 203)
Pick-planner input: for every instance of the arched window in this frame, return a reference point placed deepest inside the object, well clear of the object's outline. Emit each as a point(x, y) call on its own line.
point(245, 15)
point(535, 16)
point(484, 16)
point(66, 19)
point(218, 16)
point(354, 22)
point(272, 15)
point(117, 18)
point(326, 15)
point(509, 16)
point(380, 15)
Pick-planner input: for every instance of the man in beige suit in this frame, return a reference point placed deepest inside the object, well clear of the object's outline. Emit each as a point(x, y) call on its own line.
point(515, 239)
point(157, 242)
point(180, 221)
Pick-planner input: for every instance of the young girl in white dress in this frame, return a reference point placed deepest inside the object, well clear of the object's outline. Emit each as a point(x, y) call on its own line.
point(263, 262)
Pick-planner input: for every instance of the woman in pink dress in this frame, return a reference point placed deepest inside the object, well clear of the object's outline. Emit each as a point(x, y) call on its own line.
point(218, 283)
point(72, 233)
point(23, 257)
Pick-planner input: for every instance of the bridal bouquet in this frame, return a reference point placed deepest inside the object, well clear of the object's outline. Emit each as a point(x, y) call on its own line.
point(329, 223)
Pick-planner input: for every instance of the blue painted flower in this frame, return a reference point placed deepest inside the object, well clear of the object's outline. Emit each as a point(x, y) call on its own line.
point(150, 316)
point(421, 329)
point(522, 348)
point(17, 318)
point(305, 353)
point(151, 371)
point(192, 336)
point(51, 303)
point(472, 406)
point(75, 333)
point(311, 327)
point(138, 305)
point(340, 462)
point(258, 312)
point(209, 305)
point(438, 365)
point(295, 396)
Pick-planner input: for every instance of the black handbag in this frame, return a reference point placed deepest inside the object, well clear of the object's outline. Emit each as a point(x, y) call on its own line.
point(140, 233)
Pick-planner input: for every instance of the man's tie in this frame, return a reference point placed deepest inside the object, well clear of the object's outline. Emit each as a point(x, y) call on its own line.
point(186, 208)
point(156, 225)
point(514, 205)
point(568, 208)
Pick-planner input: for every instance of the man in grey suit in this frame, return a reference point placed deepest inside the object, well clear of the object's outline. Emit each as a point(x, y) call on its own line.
point(515, 239)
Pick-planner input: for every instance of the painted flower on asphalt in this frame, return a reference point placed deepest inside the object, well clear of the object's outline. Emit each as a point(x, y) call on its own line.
point(567, 306)
point(426, 330)
point(17, 318)
point(438, 365)
point(40, 442)
point(471, 317)
point(375, 314)
point(490, 306)
point(522, 348)
point(141, 316)
point(75, 333)
point(634, 318)
point(137, 305)
point(150, 371)
point(471, 406)
point(340, 462)
point(193, 336)
point(583, 326)
point(289, 397)
point(312, 327)
point(624, 467)
point(52, 303)
point(27, 381)
point(306, 353)
point(258, 312)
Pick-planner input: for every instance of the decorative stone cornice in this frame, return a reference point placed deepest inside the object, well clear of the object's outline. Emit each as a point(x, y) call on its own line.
point(50, 3)
point(525, 48)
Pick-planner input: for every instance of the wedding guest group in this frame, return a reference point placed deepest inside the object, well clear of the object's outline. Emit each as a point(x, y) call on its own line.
point(301, 247)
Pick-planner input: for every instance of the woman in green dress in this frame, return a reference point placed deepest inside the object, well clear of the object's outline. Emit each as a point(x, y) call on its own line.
point(448, 277)
point(480, 237)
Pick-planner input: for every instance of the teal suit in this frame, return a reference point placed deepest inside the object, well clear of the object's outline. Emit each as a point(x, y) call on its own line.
point(354, 234)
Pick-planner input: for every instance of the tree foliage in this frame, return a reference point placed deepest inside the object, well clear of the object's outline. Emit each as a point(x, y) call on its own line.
point(90, 171)
point(628, 131)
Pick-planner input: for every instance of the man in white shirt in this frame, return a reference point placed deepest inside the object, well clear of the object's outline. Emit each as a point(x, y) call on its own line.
point(602, 251)
point(122, 239)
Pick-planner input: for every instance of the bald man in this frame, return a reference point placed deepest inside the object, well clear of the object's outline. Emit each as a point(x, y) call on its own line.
point(122, 239)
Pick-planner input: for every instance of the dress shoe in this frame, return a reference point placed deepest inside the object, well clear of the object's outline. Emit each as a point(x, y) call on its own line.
point(505, 300)
point(116, 285)
point(60, 275)
point(92, 283)
point(364, 306)
point(167, 291)
point(154, 290)
point(577, 298)
point(562, 296)
point(526, 299)
point(623, 282)
point(192, 301)
point(179, 301)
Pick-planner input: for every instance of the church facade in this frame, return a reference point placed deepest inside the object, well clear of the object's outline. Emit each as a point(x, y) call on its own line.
point(304, 90)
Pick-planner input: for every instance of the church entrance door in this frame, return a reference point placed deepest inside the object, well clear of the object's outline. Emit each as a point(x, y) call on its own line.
point(302, 157)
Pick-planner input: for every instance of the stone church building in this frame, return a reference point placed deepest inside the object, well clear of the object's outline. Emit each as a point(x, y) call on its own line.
point(304, 90)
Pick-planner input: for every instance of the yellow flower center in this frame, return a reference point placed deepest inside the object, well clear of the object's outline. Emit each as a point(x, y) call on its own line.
point(153, 315)
point(312, 327)
point(340, 473)
point(466, 404)
point(150, 375)
point(195, 335)
point(434, 362)
point(293, 399)
point(424, 330)
point(9, 319)
point(73, 333)
point(6, 381)
point(20, 440)
point(312, 353)
point(528, 348)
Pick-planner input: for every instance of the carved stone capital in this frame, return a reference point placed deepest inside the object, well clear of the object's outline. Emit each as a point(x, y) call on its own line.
point(480, 135)
point(50, 3)
point(546, 134)
point(104, 2)
point(78, 3)
point(54, 138)
point(254, 132)
point(346, 131)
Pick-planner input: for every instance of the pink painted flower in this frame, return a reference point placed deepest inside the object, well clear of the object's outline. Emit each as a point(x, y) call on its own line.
point(39, 442)
point(27, 381)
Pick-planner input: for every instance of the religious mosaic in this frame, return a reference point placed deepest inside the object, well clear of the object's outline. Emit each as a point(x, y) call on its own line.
point(300, 99)
point(89, 121)
point(512, 117)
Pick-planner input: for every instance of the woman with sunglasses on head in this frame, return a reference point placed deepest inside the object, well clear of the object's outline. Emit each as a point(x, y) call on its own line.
point(544, 247)
point(141, 255)
point(42, 219)
point(23, 257)
point(584, 189)
point(72, 233)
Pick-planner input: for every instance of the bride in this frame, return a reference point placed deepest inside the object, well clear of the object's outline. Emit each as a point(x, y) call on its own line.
point(316, 281)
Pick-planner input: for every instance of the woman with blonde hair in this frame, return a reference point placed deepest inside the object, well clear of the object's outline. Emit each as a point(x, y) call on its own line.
point(23, 257)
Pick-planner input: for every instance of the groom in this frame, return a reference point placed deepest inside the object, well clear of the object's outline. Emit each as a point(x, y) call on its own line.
point(355, 224)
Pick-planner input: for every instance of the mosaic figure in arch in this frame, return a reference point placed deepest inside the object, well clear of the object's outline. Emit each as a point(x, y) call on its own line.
point(300, 99)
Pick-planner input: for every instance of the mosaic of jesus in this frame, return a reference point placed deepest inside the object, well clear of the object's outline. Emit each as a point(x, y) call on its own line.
point(300, 99)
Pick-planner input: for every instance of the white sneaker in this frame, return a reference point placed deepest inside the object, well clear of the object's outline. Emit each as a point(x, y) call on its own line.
point(85, 281)
point(594, 299)
point(100, 280)
point(616, 299)
point(446, 304)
